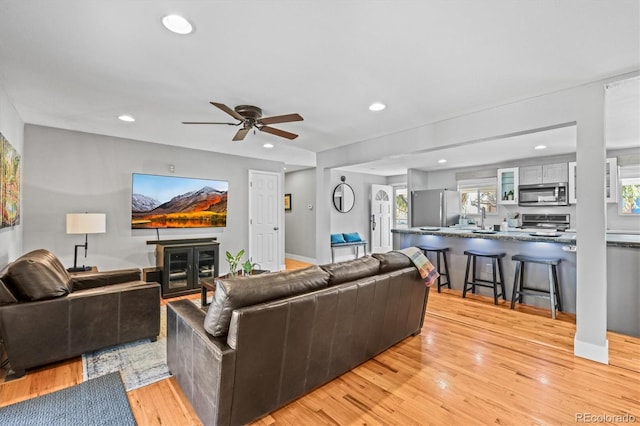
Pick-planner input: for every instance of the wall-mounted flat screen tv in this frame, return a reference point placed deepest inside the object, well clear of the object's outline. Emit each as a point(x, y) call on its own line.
point(177, 202)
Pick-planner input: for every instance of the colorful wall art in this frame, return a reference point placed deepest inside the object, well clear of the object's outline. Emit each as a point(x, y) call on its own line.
point(9, 183)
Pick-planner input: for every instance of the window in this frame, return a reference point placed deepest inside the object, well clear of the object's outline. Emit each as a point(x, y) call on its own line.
point(630, 189)
point(401, 208)
point(476, 194)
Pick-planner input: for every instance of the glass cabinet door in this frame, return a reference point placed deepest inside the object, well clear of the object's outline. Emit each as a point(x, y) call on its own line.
point(205, 263)
point(508, 186)
point(178, 263)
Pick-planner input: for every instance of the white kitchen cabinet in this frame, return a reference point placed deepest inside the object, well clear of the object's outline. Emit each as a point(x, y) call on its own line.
point(572, 182)
point(546, 173)
point(508, 181)
point(552, 173)
point(610, 181)
point(530, 175)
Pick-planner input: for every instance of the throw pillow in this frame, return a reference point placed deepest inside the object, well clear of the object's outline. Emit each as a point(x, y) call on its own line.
point(352, 237)
point(337, 238)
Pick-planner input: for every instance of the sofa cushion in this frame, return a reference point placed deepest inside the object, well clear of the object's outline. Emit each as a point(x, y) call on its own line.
point(392, 261)
point(101, 279)
point(37, 275)
point(238, 292)
point(351, 270)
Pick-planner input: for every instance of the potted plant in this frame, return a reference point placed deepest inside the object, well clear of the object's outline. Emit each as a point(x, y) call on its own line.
point(248, 266)
point(234, 261)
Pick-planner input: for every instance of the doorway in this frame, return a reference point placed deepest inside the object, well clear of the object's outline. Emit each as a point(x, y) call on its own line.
point(265, 217)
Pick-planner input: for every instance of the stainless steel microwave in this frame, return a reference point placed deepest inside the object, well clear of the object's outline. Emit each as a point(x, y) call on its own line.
point(543, 194)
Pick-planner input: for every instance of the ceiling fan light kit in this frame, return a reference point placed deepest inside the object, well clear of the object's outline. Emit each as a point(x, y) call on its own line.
point(251, 118)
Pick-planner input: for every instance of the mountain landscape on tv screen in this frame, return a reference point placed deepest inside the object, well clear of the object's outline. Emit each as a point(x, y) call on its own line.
point(206, 207)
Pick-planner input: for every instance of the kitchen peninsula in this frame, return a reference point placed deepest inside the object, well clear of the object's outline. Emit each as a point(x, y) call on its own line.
point(623, 272)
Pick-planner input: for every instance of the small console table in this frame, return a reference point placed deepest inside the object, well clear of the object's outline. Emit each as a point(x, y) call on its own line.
point(355, 244)
point(183, 263)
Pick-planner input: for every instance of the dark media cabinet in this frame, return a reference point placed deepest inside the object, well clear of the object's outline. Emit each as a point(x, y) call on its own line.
point(181, 264)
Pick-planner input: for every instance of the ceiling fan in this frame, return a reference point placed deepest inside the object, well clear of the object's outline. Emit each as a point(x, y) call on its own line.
point(251, 118)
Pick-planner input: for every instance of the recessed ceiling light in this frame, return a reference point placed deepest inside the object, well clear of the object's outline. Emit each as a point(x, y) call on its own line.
point(540, 147)
point(267, 145)
point(127, 118)
point(177, 24)
point(442, 161)
point(377, 106)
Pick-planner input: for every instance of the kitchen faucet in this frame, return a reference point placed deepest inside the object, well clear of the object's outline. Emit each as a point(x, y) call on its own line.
point(483, 215)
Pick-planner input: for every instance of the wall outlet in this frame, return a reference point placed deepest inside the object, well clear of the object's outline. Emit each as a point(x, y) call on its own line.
point(488, 268)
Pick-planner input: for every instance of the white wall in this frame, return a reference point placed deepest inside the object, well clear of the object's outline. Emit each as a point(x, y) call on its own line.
point(67, 171)
point(12, 128)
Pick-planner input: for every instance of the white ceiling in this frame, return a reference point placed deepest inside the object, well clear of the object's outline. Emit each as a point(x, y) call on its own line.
point(78, 64)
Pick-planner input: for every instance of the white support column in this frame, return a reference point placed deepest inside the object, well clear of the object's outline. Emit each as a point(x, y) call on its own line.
point(591, 305)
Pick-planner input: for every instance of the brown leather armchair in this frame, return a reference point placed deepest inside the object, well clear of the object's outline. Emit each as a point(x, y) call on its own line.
point(47, 315)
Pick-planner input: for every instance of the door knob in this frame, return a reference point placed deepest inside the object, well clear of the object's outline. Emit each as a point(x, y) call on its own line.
point(275, 228)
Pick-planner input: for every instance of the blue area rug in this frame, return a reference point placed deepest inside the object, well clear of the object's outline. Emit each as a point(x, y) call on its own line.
point(102, 401)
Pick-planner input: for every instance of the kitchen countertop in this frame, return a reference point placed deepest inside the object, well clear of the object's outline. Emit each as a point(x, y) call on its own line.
point(516, 234)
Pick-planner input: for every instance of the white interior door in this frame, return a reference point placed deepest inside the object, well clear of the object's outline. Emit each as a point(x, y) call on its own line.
point(265, 206)
point(381, 217)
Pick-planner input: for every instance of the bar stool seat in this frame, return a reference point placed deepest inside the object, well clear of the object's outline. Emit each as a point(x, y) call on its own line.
point(520, 289)
point(498, 276)
point(440, 252)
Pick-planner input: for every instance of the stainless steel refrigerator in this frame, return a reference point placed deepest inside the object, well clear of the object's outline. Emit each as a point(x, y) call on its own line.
point(434, 207)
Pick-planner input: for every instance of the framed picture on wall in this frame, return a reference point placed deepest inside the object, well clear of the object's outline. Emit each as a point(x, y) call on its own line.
point(287, 202)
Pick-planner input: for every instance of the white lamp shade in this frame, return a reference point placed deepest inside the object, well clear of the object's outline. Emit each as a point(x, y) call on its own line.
point(86, 223)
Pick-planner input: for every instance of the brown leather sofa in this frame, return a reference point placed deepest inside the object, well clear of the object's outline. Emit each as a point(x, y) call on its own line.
point(47, 315)
point(269, 339)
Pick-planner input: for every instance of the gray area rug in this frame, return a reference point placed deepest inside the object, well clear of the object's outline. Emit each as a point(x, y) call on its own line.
point(140, 363)
point(102, 401)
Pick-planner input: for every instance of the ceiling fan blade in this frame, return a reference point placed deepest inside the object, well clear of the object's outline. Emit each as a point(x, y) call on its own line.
point(278, 132)
point(228, 110)
point(280, 119)
point(208, 122)
point(241, 134)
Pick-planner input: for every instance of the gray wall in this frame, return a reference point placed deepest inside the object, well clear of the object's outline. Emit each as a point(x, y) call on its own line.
point(358, 219)
point(12, 128)
point(300, 222)
point(67, 171)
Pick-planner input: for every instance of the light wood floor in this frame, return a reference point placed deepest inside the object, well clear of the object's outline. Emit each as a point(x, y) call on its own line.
point(473, 363)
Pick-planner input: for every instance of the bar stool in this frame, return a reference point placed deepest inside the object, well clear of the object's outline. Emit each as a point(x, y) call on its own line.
point(439, 252)
point(496, 263)
point(519, 289)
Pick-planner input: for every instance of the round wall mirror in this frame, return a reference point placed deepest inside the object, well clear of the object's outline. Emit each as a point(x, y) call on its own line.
point(343, 197)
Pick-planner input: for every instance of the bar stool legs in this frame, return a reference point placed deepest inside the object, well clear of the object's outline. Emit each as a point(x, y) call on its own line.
point(443, 273)
point(498, 276)
point(520, 289)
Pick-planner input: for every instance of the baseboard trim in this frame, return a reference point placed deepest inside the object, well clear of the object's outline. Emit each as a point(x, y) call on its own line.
point(591, 351)
point(300, 258)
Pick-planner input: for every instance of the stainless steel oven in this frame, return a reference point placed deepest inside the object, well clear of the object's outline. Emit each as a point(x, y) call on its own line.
point(543, 194)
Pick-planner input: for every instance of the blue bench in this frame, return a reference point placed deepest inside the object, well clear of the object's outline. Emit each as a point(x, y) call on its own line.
point(347, 240)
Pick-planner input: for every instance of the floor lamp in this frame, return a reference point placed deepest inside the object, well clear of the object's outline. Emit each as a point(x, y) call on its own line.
point(84, 223)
